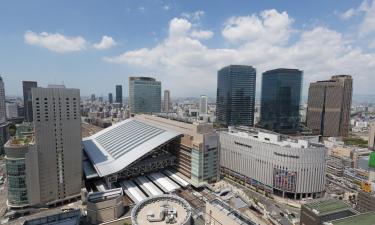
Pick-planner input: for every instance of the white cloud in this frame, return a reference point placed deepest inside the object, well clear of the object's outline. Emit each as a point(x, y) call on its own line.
point(348, 14)
point(106, 43)
point(55, 42)
point(202, 34)
point(166, 7)
point(183, 63)
point(270, 26)
point(368, 24)
point(194, 16)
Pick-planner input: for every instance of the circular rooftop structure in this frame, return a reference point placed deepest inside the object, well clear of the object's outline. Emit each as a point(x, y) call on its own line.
point(162, 210)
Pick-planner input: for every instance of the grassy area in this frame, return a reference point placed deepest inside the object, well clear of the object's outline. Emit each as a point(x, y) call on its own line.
point(356, 142)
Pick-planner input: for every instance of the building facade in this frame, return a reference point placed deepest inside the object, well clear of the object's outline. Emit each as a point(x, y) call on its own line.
point(235, 100)
point(21, 160)
point(203, 105)
point(197, 154)
point(167, 101)
point(292, 168)
point(329, 104)
point(27, 100)
point(110, 98)
point(144, 95)
point(280, 100)
point(57, 125)
point(2, 102)
point(371, 138)
point(119, 94)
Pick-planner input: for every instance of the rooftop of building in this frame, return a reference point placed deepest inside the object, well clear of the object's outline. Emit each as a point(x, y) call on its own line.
point(154, 207)
point(20, 141)
point(142, 78)
point(113, 149)
point(270, 137)
point(283, 70)
point(231, 212)
point(327, 206)
point(104, 195)
point(67, 218)
point(360, 219)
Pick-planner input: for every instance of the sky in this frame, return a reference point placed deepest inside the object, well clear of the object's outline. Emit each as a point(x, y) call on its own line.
point(94, 45)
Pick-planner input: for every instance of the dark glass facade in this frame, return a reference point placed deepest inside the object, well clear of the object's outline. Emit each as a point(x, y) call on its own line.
point(281, 95)
point(28, 106)
point(235, 98)
point(110, 98)
point(119, 94)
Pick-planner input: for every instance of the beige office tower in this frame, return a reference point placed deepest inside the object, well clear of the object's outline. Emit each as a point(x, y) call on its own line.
point(371, 137)
point(167, 101)
point(57, 121)
point(329, 103)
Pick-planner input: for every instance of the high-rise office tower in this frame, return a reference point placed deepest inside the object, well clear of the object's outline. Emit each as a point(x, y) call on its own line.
point(280, 101)
point(144, 95)
point(57, 124)
point(110, 98)
point(2, 102)
point(236, 95)
point(27, 103)
point(4, 132)
point(167, 101)
point(93, 98)
point(203, 107)
point(119, 94)
point(328, 112)
point(371, 138)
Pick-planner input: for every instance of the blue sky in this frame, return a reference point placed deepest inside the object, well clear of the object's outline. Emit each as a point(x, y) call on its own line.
point(94, 45)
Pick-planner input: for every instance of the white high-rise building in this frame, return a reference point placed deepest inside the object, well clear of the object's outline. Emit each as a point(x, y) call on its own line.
point(203, 108)
point(167, 101)
point(57, 121)
point(2, 102)
point(11, 110)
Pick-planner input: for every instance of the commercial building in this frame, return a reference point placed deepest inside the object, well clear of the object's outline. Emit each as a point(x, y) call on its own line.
point(235, 100)
point(119, 94)
point(66, 218)
point(144, 95)
point(27, 100)
point(366, 199)
point(167, 101)
point(293, 168)
point(325, 210)
point(280, 100)
point(11, 110)
point(4, 131)
point(110, 98)
point(21, 161)
point(2, 103)
point(146, 144)
point(57, 125)
point(105, 206)
point(360, 219)
point(218, 213)
point(203, 105)
point(329, 105)
point(162, 210)
point(371, 137)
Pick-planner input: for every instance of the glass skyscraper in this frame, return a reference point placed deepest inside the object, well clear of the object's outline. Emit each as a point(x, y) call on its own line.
point(144, 95)
point(236, 95)
point(119, 94)
point(281, 95)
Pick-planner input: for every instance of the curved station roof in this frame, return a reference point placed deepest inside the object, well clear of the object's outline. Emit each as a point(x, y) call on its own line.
point(114, 148)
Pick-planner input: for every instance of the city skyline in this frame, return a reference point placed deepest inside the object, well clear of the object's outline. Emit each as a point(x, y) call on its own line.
point(75, 53)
